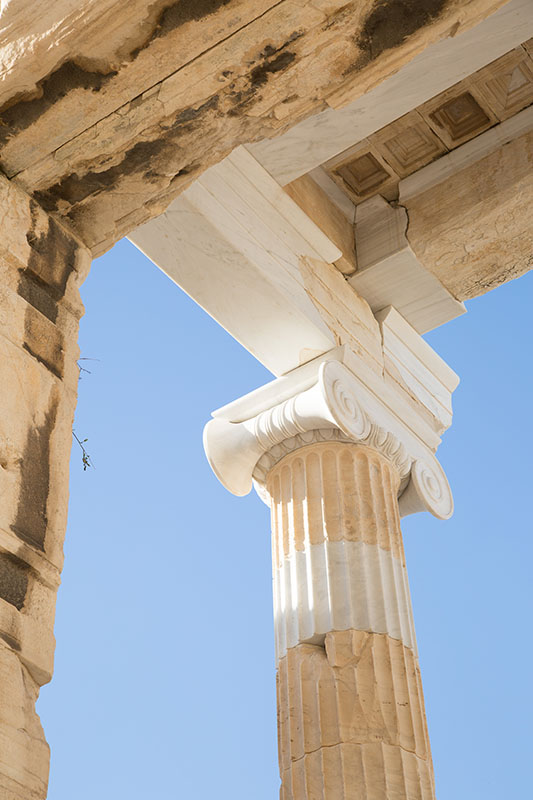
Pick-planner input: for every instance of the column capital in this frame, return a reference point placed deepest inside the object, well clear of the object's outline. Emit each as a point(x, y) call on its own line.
point(329, 403)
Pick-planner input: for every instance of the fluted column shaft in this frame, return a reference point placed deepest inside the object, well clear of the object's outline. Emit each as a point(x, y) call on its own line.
point(351, 717)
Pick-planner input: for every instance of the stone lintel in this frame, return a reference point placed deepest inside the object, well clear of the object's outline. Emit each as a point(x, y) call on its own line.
point(127, 107)
point(265, 267)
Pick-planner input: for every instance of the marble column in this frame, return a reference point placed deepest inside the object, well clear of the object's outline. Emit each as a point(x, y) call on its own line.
point(41, 268)
point(350, 707)
point(338, 467)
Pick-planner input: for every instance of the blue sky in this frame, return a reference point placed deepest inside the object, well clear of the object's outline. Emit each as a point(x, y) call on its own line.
point(164, 676)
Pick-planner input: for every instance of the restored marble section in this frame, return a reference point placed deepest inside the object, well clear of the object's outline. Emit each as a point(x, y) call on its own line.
point(338, 564)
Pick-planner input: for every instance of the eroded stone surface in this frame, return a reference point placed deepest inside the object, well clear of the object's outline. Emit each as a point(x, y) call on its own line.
point(41, 268)
point(361, 688)
point(469, 250)
point(129, 89)
point(23, 750)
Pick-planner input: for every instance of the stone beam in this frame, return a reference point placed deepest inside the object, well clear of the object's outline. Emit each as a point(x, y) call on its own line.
point(272, 271)
point(472, 228)
point(254, 260)
point(41, 268)
point(133, 102)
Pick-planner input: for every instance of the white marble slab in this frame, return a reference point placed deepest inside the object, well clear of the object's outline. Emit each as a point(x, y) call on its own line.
point(339, 586)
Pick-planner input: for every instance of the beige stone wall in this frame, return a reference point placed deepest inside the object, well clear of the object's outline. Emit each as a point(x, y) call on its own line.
point(351, 717)
point(41, 268)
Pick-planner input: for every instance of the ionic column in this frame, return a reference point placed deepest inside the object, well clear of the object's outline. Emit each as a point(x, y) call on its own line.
point(350, 707)
point(41, 268)
point(339, 467)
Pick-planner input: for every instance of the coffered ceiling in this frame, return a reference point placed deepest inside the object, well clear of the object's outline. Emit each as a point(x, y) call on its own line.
point(489, 96)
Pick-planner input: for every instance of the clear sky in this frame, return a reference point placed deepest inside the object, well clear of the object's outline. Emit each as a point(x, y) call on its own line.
point(164, 675)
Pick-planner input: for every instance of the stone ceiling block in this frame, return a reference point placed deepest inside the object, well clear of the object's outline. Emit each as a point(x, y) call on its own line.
point(507, 85)
point(362, 172)
point(457, 115)
point(409, 144)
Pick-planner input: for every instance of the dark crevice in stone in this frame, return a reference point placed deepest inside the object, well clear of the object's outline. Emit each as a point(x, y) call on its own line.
point(31, 521)
point(52, 255)
point(262, 72)
point(177, 14)
point(11, 642)
point(22, 111)
point(38, 295)
point(43, 283)
point(191, 114)
point(269, 51)
point(53, 366)
point(13, 580)
point(156, 157)
point(186, 11)
point(273, 60)
point(391, 22)
point(141, 158)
